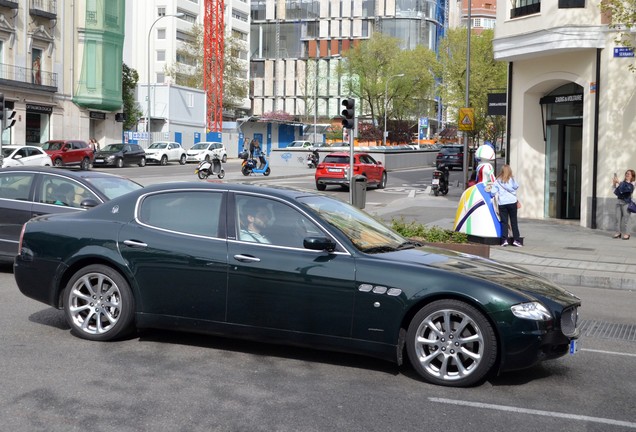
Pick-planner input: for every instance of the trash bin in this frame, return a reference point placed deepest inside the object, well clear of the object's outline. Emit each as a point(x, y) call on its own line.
point(359, 191)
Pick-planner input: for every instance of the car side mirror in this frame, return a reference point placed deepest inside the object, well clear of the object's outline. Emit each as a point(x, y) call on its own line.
point(17, 157)
point(319, 243)
point(379, 162)
point(88, 203)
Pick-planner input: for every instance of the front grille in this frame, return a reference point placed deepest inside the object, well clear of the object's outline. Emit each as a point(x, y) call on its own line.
point(569, 319)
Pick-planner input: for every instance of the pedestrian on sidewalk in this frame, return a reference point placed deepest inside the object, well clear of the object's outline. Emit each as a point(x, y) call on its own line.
point(505, 189)
point(623, 191)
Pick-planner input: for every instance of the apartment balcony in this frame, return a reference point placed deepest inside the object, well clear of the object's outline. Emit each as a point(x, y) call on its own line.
point(43, 8)
point(9, 4)
point(31, 79)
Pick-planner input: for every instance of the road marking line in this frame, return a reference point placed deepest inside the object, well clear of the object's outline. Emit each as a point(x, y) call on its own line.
point(608, 352)
point(536, 412)
point(412, 193)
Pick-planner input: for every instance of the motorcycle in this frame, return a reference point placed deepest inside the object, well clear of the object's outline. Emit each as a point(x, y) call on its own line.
point(312, 160)
point(250, 165)
point(207, 168)
point(440, 180)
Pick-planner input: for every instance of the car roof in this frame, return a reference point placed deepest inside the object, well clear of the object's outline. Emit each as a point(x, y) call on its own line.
point(339, 154)
point(58, 171)
point(276, 191)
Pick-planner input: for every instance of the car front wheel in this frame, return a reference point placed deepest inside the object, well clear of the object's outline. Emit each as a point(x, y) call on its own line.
point(58, 163)
point(98, 304)
point(86, 164)
point(182, 160)
point(451, 343)
point(164, 160)
point(382, 183)
point(142, 162)
point(119, 163)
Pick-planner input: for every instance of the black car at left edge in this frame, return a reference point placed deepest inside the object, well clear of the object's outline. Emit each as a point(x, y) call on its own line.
point(293, 267)
point(26, 192)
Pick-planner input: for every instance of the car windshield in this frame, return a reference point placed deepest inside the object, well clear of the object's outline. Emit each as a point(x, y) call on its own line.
point(366, 233)
point(200, 146)
point(112, 187)
point(113, 148)
point(51, 146)
point(158, 145)
point(336, 159)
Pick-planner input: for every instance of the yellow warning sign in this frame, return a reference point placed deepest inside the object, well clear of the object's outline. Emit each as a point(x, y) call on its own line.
point(466, 119)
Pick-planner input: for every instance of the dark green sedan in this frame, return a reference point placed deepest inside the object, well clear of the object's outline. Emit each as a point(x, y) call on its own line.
point(293, 267)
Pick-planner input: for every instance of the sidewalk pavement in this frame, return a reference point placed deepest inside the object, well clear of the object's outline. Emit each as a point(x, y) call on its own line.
point(560, 250)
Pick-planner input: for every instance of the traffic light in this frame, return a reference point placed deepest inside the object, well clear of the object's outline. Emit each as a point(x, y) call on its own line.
point(348, 113)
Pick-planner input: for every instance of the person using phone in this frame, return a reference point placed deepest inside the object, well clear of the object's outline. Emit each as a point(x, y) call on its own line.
point(623, 191)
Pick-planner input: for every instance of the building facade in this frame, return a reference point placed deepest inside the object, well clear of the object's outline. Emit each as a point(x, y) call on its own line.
point(61, 69)
point(571, 107)
point(296, 47)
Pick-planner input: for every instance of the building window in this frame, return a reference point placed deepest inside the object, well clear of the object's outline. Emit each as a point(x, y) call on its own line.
point(161, 78)
point(161, 55)
point(161, 11)
point(161, 33)
point(187, 16)
point(476, 22)
point(239, 15)
point(566, 4)
point(184, 36)
point(239, 35)
point(525, 7)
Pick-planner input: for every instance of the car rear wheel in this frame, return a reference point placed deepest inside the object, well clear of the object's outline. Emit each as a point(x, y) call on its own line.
point(164, 160)
point(86, 164)
point(321, 187)
point(182, 160)
point(142, 162)
point(382, 183)
point(98, 304)
point(451, 343)
point(119, 163)
point(58, 163)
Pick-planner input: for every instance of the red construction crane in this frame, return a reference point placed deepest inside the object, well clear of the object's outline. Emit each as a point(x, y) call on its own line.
point(213, 47)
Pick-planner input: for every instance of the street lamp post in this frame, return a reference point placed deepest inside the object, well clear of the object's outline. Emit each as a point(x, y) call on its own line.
point(386, 91)
point(177, 15)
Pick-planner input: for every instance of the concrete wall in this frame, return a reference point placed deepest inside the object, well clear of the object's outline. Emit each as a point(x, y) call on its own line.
point(391, 159)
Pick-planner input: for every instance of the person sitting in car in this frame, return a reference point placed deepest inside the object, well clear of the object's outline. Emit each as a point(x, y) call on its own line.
point(255, 220)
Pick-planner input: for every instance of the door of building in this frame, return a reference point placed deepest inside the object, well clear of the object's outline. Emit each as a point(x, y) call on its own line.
point(563, 110)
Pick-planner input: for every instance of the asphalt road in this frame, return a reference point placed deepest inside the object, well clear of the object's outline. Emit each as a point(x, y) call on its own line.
point(168, 381)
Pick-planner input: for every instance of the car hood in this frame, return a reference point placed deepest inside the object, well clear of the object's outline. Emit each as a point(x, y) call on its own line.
point(196, 152)
point(104, 153)
point(471, 266)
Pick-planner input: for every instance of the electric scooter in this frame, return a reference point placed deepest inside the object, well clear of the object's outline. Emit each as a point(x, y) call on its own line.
point(440, 180)
point(250, 166)
point(207, 168)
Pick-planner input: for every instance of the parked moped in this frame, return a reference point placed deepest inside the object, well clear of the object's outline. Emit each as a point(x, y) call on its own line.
point(207, 168)
point(440, 180)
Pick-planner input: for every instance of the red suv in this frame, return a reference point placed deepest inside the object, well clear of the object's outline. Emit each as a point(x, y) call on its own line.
point(69, 153)
point(334, 170)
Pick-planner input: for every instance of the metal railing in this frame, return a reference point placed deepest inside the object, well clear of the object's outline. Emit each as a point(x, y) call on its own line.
point(26, 75)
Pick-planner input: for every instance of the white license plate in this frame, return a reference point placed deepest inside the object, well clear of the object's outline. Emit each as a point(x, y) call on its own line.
point(334, 170)
point(99, 160)
point(574, 346)
point(435, 181)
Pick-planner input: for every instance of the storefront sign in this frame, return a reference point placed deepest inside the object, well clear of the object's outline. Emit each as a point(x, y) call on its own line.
point(572, 98)
point(40, 109)
point(623, 52)
point(97, 115)
point(497, 103)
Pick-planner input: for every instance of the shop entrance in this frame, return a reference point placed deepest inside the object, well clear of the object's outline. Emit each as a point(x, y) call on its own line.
point(563, 111)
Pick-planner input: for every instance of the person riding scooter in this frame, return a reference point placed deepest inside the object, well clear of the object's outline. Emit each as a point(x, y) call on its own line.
point(257, 152)
point(440, 180)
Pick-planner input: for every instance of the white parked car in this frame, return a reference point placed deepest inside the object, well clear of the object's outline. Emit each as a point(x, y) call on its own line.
point(18, 156)
point(163, 152)
point(206, 151)
point(299, 144)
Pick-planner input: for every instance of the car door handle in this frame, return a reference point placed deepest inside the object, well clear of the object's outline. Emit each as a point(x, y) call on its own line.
point(246, 258)
point(135, 243)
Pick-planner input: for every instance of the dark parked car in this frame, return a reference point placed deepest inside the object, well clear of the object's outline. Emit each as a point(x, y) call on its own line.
point(290, 267)
point(32, 191)
point(69, 153)
point(450, 155)
point(120, 154)
point(334, 170)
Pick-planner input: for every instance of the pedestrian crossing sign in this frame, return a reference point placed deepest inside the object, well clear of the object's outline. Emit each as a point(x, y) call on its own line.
point(466, 120)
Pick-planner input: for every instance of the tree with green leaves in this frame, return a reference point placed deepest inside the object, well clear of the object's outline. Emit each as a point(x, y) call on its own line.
point(188, 70)
point(622, 15)
point(129, 80)
point(486, 75)
point(383, 77)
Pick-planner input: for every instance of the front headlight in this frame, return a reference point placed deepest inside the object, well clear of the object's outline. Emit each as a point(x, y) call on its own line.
point(110, 158)
point(532, 310)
